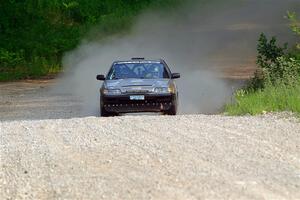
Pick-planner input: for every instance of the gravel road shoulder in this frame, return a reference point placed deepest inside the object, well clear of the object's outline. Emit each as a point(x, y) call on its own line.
point(151, 157)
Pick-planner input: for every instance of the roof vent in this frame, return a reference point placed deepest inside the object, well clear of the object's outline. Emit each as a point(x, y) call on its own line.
point(137, 58)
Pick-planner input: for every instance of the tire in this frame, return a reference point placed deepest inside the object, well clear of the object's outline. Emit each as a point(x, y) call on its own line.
point(171, 111)
point(103, 113)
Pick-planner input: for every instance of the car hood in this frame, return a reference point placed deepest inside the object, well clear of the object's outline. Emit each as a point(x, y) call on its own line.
point(124, 83)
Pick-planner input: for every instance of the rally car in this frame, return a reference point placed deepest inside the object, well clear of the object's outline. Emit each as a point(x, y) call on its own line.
point(138, 85)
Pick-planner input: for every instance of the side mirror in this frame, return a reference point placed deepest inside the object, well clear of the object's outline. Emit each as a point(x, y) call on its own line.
point(175, 75)
point(100, 77)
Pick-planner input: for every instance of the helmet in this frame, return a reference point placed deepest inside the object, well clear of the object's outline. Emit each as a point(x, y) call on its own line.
point(154, 70)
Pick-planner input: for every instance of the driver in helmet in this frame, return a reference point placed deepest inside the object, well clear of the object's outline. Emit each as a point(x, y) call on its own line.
point(122, 71)
point(154, 72)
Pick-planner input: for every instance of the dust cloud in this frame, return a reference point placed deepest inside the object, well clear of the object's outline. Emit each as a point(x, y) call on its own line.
point(200, 41)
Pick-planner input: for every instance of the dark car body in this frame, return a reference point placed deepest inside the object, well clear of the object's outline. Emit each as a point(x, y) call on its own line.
point(138, 85)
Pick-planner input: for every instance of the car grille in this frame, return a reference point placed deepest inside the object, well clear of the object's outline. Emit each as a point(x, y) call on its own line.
point(137, 90)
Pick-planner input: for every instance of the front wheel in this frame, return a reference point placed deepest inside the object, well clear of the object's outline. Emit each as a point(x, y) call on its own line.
point(171, 111)
point(104, 113)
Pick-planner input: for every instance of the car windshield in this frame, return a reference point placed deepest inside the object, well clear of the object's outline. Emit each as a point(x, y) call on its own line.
point(138, 70)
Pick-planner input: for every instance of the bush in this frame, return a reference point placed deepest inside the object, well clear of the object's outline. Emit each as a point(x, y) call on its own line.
point(268, 51)
point(275, 65)
point(11, 59)
point(276, 84)
point(294, 24)
point(284, 71)
point(277, 98)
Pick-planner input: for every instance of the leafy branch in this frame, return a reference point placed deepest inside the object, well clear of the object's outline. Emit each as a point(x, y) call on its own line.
point(294, 24)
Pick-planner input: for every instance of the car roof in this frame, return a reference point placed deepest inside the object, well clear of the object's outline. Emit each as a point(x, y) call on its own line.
point(139, 60)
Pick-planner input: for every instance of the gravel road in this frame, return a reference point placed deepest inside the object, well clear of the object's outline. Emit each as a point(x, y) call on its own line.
point(37, 100)
point(151, 157)
point(72, 156)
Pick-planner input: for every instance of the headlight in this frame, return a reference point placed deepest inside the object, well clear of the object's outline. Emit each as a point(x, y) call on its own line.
point(161, 90)
point(111, 92)
point(172, 89)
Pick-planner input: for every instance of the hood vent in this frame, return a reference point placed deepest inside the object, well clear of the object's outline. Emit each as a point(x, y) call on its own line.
point(136, 85)
point(137, 89)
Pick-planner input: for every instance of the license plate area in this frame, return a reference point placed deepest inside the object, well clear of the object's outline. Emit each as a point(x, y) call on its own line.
point(137, 98)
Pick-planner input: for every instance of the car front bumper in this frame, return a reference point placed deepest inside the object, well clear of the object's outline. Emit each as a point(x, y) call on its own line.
point(151, 103)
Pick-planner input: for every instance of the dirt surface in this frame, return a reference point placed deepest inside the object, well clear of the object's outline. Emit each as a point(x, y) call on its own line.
point(50, 150)
point(151, 157)
point(36, 100)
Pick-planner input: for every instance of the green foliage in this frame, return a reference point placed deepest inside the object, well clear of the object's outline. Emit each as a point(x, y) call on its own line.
point(295, 27)
point(268, 51)
point(10, 59)
point(277, 98)
point(294, 23)
point(39, 32)
point(284, 71)
point(275, 65)
point(280, 91)
point(276, 84)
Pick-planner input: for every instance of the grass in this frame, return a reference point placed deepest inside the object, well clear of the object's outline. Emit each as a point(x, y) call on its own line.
point(270, 99)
